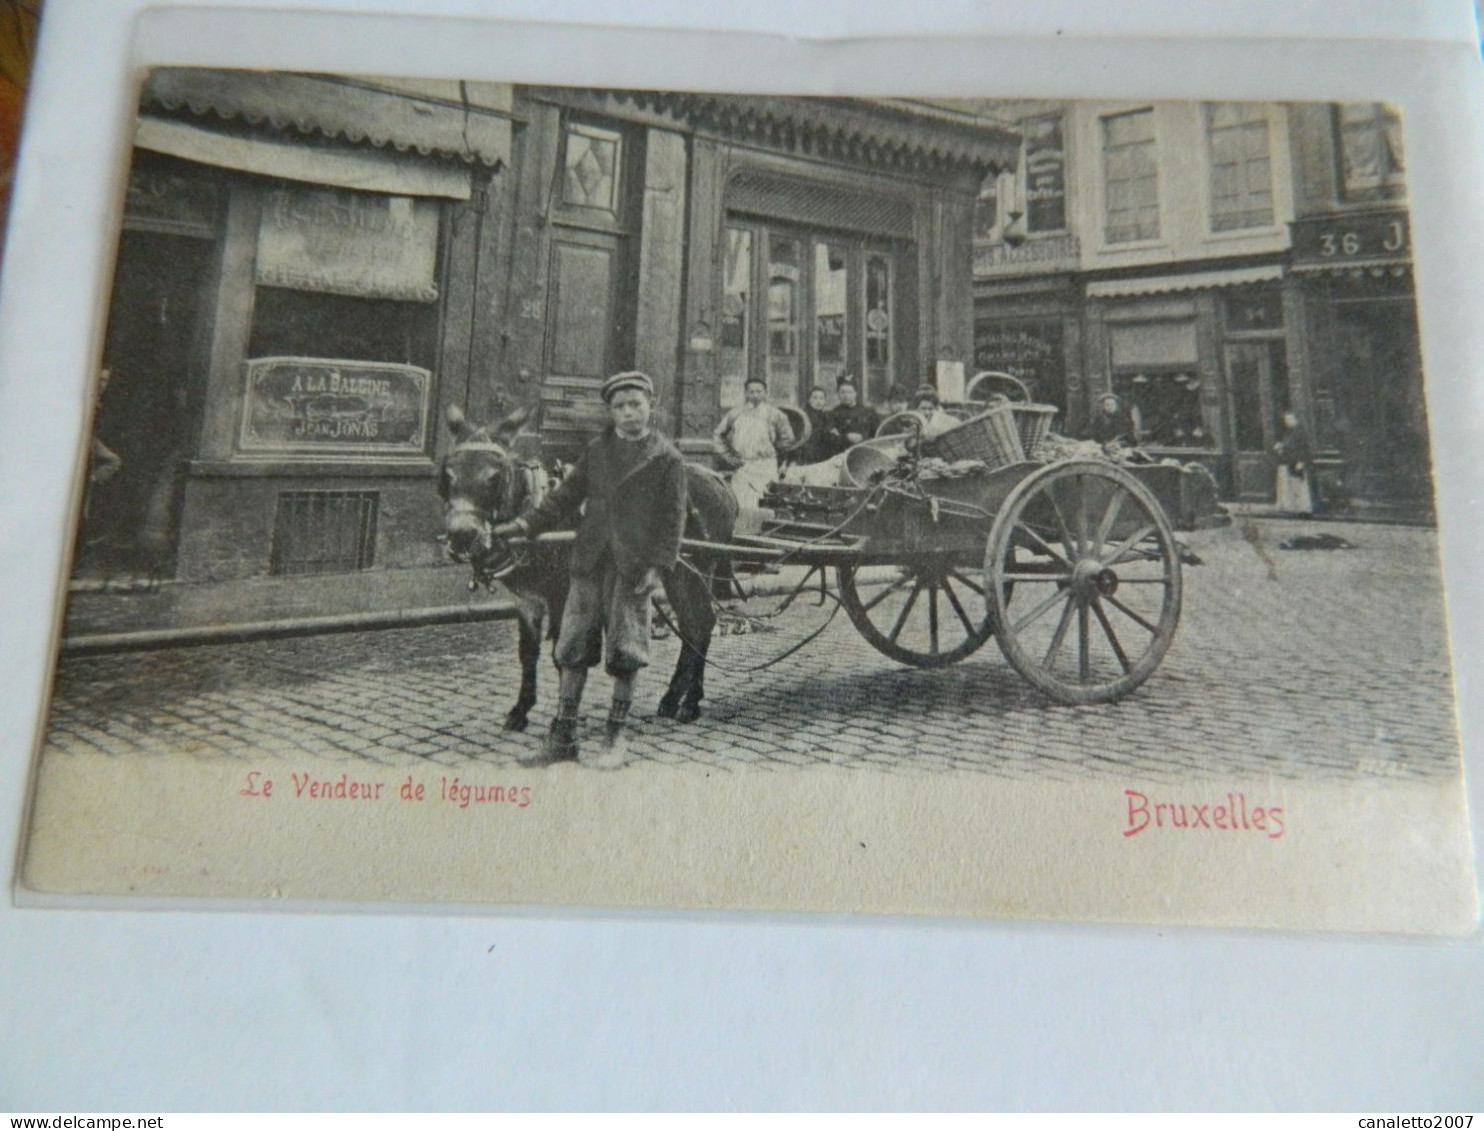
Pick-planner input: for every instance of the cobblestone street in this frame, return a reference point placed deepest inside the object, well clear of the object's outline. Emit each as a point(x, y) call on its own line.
point(1316, 664)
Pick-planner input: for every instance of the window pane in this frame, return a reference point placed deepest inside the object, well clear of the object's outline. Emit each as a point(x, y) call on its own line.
point(784, 279)
point(830, 293)
point(878, 319)
point(1371, 149)
point(590, 169)
point(1131, 180)
point(1167, 407)
point(736, 287)
point(1241, 176)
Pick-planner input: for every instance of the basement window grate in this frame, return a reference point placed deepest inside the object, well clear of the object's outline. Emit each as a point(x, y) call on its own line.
point(324, 532)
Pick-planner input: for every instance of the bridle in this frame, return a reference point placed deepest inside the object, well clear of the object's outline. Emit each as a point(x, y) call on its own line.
point(523, 486)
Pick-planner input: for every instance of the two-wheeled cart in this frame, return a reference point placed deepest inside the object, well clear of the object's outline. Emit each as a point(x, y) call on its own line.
point(1071, 566)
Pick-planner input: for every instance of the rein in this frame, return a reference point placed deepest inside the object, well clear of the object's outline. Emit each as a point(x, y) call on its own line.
point(526, 485)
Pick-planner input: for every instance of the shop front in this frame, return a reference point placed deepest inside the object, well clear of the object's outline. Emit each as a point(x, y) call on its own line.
point(1360, 317)
point(712, 239)
point(1032, 330)
point(1204, 364)
point(290, 315)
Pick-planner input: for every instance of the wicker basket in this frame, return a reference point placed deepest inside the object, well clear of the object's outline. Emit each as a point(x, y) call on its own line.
point(991, 436)
point(1033, 422)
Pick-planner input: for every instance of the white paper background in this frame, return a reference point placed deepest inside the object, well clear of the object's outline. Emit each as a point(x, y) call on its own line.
point(124, 1010)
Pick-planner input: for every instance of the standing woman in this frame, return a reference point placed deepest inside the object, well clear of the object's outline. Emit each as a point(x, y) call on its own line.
point(1294, 487)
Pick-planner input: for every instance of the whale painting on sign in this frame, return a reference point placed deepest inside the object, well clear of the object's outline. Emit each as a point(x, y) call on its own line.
point(1146, 627)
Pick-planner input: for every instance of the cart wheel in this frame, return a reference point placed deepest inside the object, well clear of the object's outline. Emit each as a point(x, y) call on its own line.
point(1097, 578)
point(932, 614)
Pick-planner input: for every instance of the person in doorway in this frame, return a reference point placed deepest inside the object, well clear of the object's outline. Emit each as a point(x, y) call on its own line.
point(897, 400)
point(751, 436)
point(629, 487)
point(1294, 488)
point(854, 421)
point(1113, 425)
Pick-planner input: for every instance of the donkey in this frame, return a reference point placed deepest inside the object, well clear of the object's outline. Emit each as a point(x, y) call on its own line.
point(483, 483)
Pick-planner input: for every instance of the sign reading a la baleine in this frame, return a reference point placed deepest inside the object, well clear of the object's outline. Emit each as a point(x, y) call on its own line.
point(310, 406)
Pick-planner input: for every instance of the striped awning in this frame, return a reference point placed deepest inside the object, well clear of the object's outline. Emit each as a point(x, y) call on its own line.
point(1190, 281)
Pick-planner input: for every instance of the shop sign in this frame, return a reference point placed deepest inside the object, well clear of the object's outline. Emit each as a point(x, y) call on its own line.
point(1030, 351)
point(1045, 176)
point(349, 243)
point(300, 406)
point(1360, 237)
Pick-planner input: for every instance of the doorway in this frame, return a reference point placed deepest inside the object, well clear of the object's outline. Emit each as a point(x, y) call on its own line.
point(143, 416)
point(1257, 392)
point(804, 307)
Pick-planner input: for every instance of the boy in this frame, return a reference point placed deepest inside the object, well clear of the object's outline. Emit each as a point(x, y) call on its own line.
point(753, 434)
point(632, 483)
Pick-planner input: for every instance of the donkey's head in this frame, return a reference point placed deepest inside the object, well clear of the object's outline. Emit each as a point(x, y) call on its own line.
point(479, 481)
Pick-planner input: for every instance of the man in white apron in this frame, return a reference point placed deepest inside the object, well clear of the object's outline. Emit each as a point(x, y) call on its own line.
point(751, 436)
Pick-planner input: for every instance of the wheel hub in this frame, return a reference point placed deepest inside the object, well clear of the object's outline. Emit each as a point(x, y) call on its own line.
point(1091, 577)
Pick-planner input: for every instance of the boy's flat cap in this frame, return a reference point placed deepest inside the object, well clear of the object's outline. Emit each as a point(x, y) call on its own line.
point(632, 380)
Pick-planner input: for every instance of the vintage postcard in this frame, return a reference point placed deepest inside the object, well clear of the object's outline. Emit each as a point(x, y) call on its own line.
point(526, 495)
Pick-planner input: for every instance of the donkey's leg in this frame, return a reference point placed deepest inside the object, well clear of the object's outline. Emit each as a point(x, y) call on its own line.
point(690, 599)
point(530, 614)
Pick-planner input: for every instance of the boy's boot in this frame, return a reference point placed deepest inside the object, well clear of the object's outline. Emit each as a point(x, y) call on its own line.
point(613, 751)
point(560, 743)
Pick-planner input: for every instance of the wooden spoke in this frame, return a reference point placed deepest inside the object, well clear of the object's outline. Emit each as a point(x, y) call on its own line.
point(1082, 546)
point(896, 629)
point(915, 631)
point(962, 580)
point(1040, 610)
point(1040, 544)
point(1061, 632)
point(1105, 527)
point(1116, 558)
point(963, 617)
point(1084, 644)
point(1112, 636)
point(1128, 612)
point(888, 591)
point(1061, 521)
point(1094, 503)
point(933, 618)
point(1034, 577)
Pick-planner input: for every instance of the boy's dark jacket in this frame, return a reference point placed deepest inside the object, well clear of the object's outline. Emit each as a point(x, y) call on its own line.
point(635, 521)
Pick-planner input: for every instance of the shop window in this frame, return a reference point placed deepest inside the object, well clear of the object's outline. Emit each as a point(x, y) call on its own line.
point(1241, 167)
point(290, 323)
point(1131, 177)
point(1166, 407)
point(1373, 166)
point(346, 275)
point(590, 166)
point(1155, 372)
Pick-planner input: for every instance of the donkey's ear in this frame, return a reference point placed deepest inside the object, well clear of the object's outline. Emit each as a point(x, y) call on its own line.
point(510, 427)
point(458, 424)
